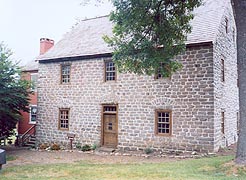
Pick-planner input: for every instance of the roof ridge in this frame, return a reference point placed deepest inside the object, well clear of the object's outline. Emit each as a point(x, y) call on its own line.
point(97, 17)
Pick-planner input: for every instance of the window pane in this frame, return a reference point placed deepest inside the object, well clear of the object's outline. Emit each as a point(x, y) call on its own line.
point(34, 79)
point(109, 71)
point(64, 119)
point(33, 113)
point(163, 122)
point(65, 74)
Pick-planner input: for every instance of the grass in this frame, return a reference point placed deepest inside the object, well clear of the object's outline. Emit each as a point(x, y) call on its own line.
point(195, 169)
point(10, 158)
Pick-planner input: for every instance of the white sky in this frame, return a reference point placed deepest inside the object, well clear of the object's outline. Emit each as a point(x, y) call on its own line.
point(24, 22)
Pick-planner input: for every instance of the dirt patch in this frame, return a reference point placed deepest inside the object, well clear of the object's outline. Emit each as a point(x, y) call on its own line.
point(25, 156)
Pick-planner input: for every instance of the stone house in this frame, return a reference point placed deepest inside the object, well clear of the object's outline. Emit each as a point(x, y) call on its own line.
point(81, 92)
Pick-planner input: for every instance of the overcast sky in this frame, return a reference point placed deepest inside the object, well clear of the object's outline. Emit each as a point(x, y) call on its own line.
point(24, 22)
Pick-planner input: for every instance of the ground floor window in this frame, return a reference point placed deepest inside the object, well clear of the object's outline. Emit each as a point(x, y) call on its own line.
point(33, 114)
point(64, 119)
point(163, 122)
point(223, 122)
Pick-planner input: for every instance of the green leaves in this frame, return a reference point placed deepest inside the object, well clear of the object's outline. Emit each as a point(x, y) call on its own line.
point(149, 33)
point(13, 93)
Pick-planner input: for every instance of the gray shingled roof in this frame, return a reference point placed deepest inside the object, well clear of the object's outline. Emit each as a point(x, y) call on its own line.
point(30, 66)
point(86, 38)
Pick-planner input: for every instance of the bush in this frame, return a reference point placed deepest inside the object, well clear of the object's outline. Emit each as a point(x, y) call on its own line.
point(78, 146)
point(55, 147)
point(94, 147)
point(148, 150)
point(43, 146)
point(86, 148)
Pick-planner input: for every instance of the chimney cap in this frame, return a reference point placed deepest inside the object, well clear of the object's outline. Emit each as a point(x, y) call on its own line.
point(47, 40)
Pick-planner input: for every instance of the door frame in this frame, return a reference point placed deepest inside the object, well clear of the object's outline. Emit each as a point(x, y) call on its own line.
point(102, 121)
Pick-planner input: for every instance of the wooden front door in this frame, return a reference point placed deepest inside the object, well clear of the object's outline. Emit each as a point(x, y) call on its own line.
point(110, 127)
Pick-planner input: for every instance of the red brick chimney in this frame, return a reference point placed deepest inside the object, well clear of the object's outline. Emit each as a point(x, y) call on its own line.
point(45, 45)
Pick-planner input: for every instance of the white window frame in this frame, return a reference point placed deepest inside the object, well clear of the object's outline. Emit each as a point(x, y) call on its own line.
point(30, 114)
point(35, 88)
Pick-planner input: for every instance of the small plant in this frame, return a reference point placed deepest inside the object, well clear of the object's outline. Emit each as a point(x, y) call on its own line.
point(55, 147)
point(148, 150)
point(78, 146)
point(86, 148)
point(94, 147)
point(10, 158)
point(43, 146)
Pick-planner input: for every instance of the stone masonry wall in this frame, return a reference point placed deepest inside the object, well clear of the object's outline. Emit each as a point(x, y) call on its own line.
point(189, 94)
point(226, 93)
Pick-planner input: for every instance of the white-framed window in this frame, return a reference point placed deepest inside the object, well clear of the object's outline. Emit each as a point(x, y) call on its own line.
point(34, 80)
point(33, 114)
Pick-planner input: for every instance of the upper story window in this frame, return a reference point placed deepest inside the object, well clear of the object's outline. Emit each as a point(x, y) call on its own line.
point(226, 25)
point(65, 73)
point(159, 75)
point(34, 80)
point(222, 70)
point(110, 71)
point(163, 122)
point(64, 119)
point(33, 113)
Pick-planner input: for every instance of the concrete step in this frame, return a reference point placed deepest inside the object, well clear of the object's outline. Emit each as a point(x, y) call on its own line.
point(106, 149)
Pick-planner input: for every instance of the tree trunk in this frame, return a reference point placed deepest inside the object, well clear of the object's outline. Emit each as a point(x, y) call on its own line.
point(240, 13)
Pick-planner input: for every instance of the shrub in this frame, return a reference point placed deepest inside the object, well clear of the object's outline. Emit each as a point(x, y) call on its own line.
point(148, 150)
point(94, 147)
point(43, 146)
point(86, 148)
point(78, 146)
point(55, 147)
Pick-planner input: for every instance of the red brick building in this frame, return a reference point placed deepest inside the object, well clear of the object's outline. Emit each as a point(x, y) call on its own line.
point(26, 125)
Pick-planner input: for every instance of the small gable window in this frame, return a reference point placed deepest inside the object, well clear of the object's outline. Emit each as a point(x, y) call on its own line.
point(163, 122)
point(110, 71)
point(65, 73)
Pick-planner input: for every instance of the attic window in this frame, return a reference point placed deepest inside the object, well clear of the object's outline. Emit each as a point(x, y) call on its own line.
point(226, 25)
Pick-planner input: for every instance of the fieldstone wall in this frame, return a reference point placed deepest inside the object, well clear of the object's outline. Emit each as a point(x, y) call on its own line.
point(189, 94)
point(226, 93)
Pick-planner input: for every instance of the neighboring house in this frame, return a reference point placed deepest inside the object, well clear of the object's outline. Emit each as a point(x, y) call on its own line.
point(81, 92)
point(30, 73)
point(26, 126)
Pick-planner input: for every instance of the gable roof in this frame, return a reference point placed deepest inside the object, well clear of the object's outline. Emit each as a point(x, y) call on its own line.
point(86, 38)
point(30, 66)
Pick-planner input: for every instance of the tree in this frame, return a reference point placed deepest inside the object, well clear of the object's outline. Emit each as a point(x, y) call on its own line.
point(13, 93)
point(239, 7)
point(148, 34)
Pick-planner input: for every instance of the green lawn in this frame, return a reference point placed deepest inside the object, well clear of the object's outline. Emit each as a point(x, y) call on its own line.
point(196, 169)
